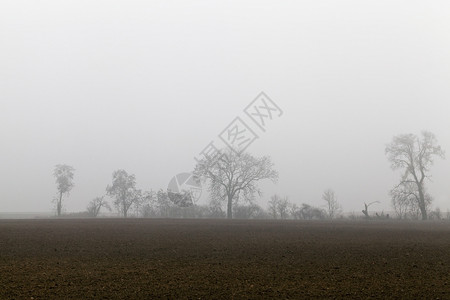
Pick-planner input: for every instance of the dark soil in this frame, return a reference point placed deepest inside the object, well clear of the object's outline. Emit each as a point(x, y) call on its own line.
point(215, 259)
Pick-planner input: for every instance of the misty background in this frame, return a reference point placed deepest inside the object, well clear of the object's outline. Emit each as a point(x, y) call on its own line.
point(145, 86)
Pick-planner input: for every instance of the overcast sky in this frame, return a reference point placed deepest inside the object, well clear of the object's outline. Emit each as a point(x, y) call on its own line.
point(145, 85)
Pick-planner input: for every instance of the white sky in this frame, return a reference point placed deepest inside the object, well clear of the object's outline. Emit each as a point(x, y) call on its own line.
point(146, 85)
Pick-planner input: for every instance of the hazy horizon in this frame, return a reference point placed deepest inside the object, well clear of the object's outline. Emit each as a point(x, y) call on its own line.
point(145, 86)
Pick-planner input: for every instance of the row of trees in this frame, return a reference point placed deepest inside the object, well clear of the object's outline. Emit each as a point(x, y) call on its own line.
point(232, 178)
point(282, 208)
point(127, 199)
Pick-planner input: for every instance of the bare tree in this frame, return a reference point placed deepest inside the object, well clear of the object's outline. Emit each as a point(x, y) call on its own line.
point(96, 205)
point(64, 183)
point(273, 206)
point(332, 205)
point(233, 176)
point(279, 207)
point(294, 211)
point(414, 155)
point(123, 190)
point(365, 211)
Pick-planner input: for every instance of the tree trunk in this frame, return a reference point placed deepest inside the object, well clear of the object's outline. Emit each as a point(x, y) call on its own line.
point(229, 207)
point(423, 209)
point(58, 205)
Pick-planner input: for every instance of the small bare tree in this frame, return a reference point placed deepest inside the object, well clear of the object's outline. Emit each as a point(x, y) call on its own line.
point(283, 208)
point(332, 205)
point(233, 176)
point(365, 211)
point(414, 155)
point(96, 205)
point(279, 207)
point(272, 206)
point(64, 183)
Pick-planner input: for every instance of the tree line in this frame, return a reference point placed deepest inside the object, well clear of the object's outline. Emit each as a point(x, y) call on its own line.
point(232, 180)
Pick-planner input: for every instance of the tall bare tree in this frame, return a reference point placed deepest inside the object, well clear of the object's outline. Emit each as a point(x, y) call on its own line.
point(64, 183)
point(414, 155)
point(124, 191)
point(233, 176)
point(332, 205)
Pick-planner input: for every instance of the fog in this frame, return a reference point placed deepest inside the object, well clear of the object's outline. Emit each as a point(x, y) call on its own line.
point(145, 85)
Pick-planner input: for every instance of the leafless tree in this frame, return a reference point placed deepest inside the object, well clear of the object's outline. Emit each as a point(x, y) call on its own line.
point(332, 205)
point(283, 208)
point(124, 191)
point(279, 207)
point(233, 176)
point(64, 183)
point(365, 211)
point(293, 211)
point(273, 206)
point(414, 155)
point(96, 205)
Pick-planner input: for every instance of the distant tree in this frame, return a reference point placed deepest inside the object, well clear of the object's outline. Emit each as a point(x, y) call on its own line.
point(279, 207)
point(332, 205)
point(283, 208)
point(436, 214)
point(123, 190)
point(273, 206)
point(365, 211)
point(294, 211)
point(64, 183)
point(414, 155)
point(96, 205)
point(233, 176)
point(308, 212)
